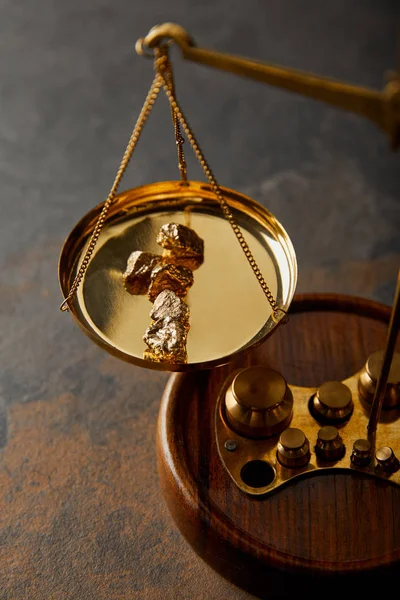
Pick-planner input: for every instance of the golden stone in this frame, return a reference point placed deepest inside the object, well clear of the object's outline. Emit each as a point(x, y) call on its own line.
point(170, 277)
point(166, 340)
point(175, 359)
point(168, 304)
point(182, 246)
point(138, 271)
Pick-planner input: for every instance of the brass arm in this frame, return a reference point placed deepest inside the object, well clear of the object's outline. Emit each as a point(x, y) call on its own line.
point(381, 107)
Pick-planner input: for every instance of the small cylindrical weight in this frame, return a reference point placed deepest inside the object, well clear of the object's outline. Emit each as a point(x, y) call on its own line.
point(362, 453)
point(329, 444)
point(293, 449)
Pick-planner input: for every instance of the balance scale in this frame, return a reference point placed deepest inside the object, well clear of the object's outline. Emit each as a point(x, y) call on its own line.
point(274, 483)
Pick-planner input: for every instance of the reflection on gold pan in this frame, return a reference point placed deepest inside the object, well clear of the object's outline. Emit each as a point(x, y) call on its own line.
point(228, 309)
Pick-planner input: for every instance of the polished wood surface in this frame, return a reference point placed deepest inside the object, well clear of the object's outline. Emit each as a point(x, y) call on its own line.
point(342, 524)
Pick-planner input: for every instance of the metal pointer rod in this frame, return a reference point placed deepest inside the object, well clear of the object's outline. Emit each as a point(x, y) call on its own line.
point(394, 325)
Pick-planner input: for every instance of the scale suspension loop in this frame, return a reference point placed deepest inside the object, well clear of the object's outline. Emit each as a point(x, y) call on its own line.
point(164, 78)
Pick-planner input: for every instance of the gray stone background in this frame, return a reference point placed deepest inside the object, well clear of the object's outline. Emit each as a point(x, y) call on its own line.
point(70, 87)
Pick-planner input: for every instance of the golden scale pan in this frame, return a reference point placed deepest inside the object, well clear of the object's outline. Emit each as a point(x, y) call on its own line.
point(229, 309)
point(225, 289)
point(246, 283)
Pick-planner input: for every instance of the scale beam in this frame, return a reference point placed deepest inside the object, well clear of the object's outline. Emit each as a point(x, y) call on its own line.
point(380, 107)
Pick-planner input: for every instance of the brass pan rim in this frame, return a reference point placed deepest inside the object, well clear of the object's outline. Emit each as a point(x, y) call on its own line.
point(143, 198)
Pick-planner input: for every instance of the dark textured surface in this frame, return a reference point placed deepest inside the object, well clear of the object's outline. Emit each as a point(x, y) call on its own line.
point(81, 515)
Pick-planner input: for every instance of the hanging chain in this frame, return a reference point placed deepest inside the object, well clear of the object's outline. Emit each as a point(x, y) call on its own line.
point(163, 66)
point(165, 70)
point(137, 130)
point(164, 78)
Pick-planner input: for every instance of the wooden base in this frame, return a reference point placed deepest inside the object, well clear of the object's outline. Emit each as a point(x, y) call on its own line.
point(327, 529)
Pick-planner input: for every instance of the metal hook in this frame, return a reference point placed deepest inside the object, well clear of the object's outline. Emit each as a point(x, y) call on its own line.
point(162, 35)
point(64, 306)
point(283, 320)
point(142, 49)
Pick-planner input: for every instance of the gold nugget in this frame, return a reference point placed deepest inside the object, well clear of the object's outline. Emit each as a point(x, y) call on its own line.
point(170, 277)
point(182, 246)
point(138, 271)
point(168, 304)
point(166, 340)
point(175, 359)
point(167, 336)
